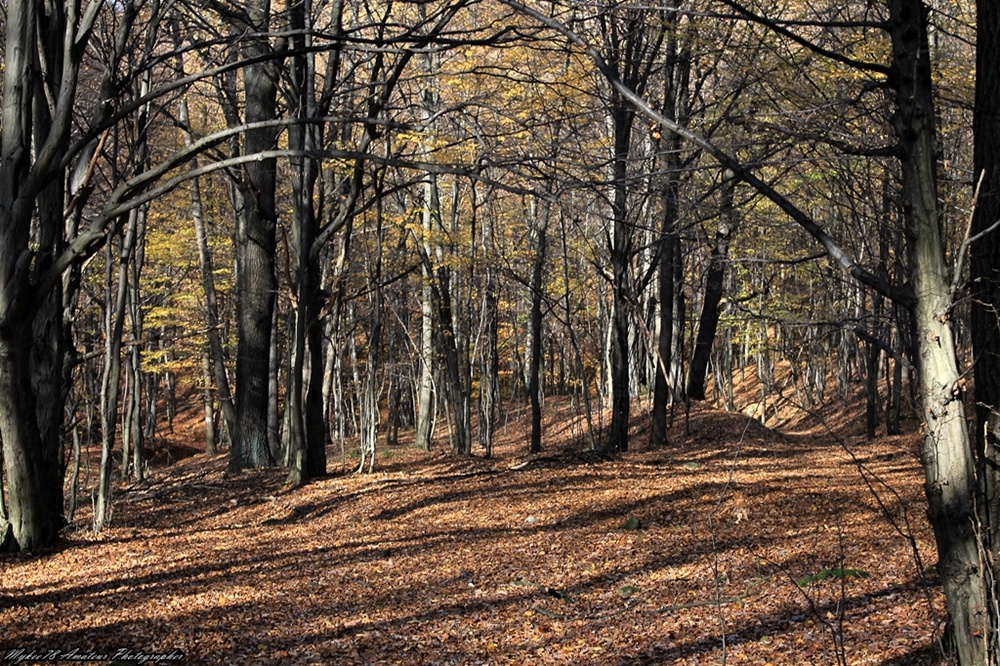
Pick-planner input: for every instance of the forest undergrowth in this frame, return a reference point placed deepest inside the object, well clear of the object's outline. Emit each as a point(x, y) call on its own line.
point(735, 544)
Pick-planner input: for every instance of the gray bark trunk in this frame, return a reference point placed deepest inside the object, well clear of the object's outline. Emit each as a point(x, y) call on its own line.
point(947, 449)
point(216, 354)
point(111, 382)
point(489, 376)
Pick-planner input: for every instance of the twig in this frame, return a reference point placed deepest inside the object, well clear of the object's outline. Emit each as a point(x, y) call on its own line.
point(714, 602)
point(711, 531)
point(956, 276)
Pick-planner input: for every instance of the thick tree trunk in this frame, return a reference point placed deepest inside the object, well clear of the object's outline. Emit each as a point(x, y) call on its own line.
point(307, 433)
point(37, 111)
point(255, 254)
point(32, 468)
point(947, 449)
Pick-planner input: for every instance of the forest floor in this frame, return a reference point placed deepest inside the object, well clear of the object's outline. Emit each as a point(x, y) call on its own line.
point(736, 544)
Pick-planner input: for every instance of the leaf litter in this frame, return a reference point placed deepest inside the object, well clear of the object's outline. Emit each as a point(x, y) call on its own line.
point(682, 554)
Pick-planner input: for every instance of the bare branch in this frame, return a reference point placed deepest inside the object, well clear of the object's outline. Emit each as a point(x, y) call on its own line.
point(901, 294)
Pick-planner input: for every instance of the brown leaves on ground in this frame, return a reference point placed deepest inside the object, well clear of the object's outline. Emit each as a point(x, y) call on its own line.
point(677, 555)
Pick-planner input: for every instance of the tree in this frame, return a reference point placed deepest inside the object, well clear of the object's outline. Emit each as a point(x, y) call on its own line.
point(984, 289)
point(676, 77)
point(709, 320)
point(255, 242)
point(631, 41)
point(44, 51)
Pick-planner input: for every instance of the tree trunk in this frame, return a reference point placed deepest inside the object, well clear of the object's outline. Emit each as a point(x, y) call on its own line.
point(430, 216)
point(621, 257)
point(709, 321)
point(489, 376)
point(541, 222)
point(425, 386)
point(255, 253)
point(216, 354)
point(208, 402)
point(984, 281)
point(111, 382)
point(307, 436)
point(947, 450)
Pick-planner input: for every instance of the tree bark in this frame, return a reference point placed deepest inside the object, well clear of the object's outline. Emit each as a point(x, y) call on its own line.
point(216, 353)
point(255, 253)
point(304, 396)
point(540, 217)
point(622, 117)
point(489, 376)
point(947, 450)
point(111, 382)
point(34, 132)
point(708, 323)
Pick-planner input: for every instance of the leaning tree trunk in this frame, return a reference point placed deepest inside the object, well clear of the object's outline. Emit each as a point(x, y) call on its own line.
point(709, 321)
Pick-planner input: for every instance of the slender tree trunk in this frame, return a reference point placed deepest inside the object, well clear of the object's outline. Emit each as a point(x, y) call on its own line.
point(134, 366)
point(111, 382)
point(425, 387)
point(212, 319)
point(580, 369)
point(208, 402)
point(621, 257)
point(489, 376)
point(369, 396)
point(709, 321)
point(541, 211)
point(430, 216)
